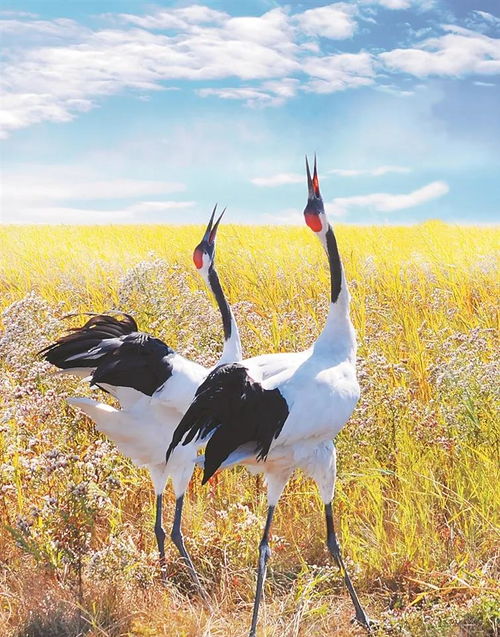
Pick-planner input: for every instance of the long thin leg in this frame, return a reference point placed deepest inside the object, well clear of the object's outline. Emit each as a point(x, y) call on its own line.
point(264, 555)
point(178, 540)
point(160, 536)
point(334, 548)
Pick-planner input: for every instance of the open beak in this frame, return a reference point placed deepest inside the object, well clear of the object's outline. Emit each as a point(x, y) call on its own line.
point(211, 230)
point(312, 183)
point(209, 227)
point(208, 239)
point(311, 213)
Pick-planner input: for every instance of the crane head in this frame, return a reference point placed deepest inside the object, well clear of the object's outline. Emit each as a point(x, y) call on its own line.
point(314, 212)
point(204, 253)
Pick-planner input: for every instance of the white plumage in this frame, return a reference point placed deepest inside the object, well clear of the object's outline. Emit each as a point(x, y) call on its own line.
point(285, 409)
point(154, 386)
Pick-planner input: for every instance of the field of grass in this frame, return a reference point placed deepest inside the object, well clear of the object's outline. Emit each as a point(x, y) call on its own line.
point(417, 503)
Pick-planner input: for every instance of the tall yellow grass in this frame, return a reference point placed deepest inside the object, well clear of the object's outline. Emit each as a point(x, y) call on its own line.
point(417, 496)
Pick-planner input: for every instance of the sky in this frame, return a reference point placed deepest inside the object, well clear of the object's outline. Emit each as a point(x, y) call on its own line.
point(124, 111)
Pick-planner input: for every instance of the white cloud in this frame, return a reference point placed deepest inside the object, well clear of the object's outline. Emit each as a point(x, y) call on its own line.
point(339, 72)
point(281, 179)
point(66, 187)
point(273, 29)
point(17, 14)
point(460, 52)
point(55, 83)
point(286, 217)
point(395, 4)
point(270, 93)
point(159, 206)
point(30, 29)
point(285, 88)
point(278, 180)
point(57, 194)
point(401, 4)
point(484, 19)
point(22, 109)
point(252, 96)
point(388, 202)
point(291, 217)
point(335, 21)
point(371, 172)
point(182, 18)
point(141, 212)
point(389, 4)
point(64, 69)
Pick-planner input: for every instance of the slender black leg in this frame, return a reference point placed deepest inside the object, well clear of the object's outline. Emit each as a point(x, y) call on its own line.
point(160, 536)
point(264, 555)
point(334, 548)
point(178, 540)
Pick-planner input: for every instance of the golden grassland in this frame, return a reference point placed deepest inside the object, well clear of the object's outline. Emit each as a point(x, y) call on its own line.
point(417, 495)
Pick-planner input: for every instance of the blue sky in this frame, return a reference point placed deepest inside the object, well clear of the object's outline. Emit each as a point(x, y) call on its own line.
point(138, 112)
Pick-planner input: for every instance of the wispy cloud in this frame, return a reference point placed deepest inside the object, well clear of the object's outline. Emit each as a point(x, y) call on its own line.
point(63, 196)
point(389, 4)
point(176, 19)
point(371, 172)
point(252, 96)
point(483, 21)
point(286, 217)
point(422, 5)
point(68, 187)
point(339, 72)
point(17, 14)
point(278, 180)
point(158, 206)
point(140, 212)
point(388, 202)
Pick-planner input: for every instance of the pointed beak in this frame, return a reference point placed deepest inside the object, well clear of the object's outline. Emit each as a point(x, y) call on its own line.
point(314, 202)
point(212, 227)
point(206, 236)
point(315, 179)
point(207, 244)
point(310, 187)
point(213, 232)
point(312, 183)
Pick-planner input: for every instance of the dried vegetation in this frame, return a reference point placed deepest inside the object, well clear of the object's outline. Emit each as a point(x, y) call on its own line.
point(417, 499)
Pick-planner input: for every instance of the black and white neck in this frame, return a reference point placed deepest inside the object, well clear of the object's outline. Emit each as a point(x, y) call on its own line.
point(338, 329)
point(338, 323)
point(232, 344)
point(204, 258)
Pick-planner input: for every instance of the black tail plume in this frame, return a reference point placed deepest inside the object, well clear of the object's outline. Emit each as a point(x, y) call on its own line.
point(79, 347)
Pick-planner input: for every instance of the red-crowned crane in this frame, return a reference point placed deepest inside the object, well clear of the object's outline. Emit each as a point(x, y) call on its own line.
point(279, 412)
point(154, 386)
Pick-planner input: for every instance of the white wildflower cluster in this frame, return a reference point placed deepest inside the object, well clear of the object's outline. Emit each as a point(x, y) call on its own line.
point(173, 307)
point(466, 374)
point(55, 480)
point(467, 360)
point(121, 559)
point(416, 269)
point(28, 325)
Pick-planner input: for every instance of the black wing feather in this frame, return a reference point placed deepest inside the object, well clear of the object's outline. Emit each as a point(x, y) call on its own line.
point(240, 411)
point(141, 362)
point(119, 354)
point(80, 340)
